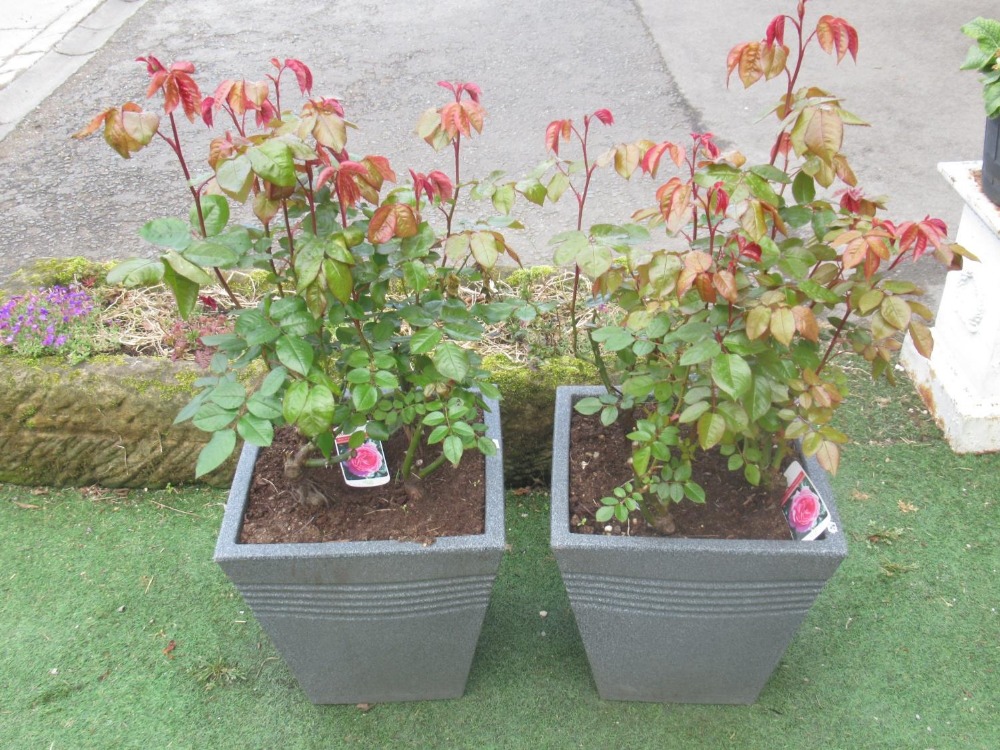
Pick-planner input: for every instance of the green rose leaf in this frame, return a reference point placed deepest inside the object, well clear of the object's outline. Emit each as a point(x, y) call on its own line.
point(234, 177)
point(711, 430)
point(803, 188)
point(486, 446)
point(364, 397)
point(168, 232)
point(211, 254)
point(212, 417)
point(215, 452)
point(694, 411)
point(229, 394)
point(338, 279)
point(452, 361)
point(424, 340)
point(567, 246)
point(185, 291)
point(255, 430)
point(215, 212)
point(701, 352)
point(273, 161)
point(273, 382)
point(614, 338)
point(588, 406)
point(255, 328)
point(759, 399)
point(137, 272)
point(732, 374)
point(503, 199)
point(484, 249)
point(265, 407)
point(295, 401)
point(185, 268)
point(295, 354)
point(453, 449)
point(316, 416)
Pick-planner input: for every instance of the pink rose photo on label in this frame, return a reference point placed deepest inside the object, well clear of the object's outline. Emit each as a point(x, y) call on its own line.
point(804, 510)
point(807, 515)
point(366, 461)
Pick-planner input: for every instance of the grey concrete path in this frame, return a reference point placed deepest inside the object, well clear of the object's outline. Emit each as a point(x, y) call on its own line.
point(44, 42)
point(659, 66)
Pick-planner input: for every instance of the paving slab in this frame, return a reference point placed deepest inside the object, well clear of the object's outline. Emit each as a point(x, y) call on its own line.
point(659, 67)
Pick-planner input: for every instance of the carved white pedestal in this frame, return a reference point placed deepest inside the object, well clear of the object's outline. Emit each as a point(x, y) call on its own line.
point(961, 382)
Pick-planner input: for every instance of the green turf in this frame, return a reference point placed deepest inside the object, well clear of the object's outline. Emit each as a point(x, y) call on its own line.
point(902, 649)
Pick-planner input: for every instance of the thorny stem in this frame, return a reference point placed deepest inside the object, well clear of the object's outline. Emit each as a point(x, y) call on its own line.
point(175, 144)
point(792, 77)
point(602, 369)
point(834, 339)
point(581, 201)
point(431, 467)
point(411, 453)
point(311, 197)
point(288, 229)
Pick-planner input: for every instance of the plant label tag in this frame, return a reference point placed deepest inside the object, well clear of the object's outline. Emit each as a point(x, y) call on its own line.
point(366, 465)
point(806, 513)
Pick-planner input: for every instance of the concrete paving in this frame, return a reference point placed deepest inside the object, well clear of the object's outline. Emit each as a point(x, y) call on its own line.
point(659, 67)
point(43, 42)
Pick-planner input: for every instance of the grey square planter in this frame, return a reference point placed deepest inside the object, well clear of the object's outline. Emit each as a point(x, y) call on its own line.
point(683, 620)
point(370, 622)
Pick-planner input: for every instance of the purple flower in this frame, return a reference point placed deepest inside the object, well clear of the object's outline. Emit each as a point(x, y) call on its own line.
point(42, 320)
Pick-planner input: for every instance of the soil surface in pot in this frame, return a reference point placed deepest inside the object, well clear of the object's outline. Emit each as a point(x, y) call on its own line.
point(450, 502)
point(734, 509)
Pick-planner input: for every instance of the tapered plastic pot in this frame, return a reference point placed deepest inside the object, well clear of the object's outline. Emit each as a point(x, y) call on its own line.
point(991, 160)
point(371, 622)
point(684, 620)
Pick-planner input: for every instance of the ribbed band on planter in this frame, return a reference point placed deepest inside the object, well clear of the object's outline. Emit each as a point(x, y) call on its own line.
point(371, 622)
point(684, 620)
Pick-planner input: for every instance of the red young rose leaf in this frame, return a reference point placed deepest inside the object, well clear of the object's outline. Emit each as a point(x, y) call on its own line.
point(916, 236)
point(302, 73)
point(775, 31)
point(475, 93)
point(176, 84)
point(837, 34)
point(556, 131)
point(605, 116)
point(651, 161)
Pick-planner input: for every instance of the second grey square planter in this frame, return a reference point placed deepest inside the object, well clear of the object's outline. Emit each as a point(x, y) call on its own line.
point(370, 622)
point(683, 620)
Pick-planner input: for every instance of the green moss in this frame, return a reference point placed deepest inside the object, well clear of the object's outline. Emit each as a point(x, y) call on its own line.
point(63, 272)
point(518, 381)
point(249, 283)
point(527, 411)
point(530, 275)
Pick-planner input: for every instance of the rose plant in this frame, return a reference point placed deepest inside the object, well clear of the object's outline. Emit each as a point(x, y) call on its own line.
point(728, 332)
point(363, 328)
point(984, 56)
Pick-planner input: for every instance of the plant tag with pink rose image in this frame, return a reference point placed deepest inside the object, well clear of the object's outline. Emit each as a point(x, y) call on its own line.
point(804, 509)
point(366, 466)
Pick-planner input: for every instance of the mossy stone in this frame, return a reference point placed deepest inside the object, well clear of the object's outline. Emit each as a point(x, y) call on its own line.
point(106, 421)
point(527, 409)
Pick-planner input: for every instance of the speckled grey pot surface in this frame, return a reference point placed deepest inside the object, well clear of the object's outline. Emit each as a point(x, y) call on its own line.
point(684, 620)
point(370, 622)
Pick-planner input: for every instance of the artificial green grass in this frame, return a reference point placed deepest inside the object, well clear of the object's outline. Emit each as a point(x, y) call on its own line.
point(902, 650)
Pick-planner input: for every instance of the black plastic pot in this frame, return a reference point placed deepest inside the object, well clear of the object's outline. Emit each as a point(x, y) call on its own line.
point(991, 160)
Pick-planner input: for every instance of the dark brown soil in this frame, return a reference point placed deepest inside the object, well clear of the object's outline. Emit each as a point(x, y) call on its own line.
point(450, 502)
point(734, 509)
